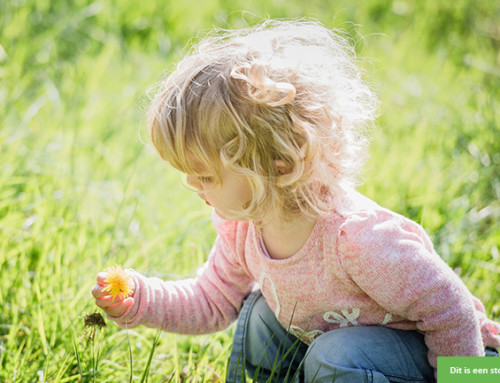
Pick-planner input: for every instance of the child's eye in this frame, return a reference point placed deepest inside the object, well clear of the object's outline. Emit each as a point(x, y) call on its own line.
point(206, 179)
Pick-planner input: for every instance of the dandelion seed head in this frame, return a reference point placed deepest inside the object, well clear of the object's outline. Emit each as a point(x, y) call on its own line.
point(94, 320)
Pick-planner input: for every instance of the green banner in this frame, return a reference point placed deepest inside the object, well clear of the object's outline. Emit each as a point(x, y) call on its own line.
point(468, 369)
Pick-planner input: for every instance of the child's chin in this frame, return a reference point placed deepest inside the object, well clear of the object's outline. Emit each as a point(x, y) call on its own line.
point(223, 215)
point(228, 216)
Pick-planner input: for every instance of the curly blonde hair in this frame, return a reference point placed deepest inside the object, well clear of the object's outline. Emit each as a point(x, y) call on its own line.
point(282, 90)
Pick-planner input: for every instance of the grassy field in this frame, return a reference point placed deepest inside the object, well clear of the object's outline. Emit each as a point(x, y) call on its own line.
point(81, 190)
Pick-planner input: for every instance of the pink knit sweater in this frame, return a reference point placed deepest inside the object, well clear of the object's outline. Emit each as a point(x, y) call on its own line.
point(362, 265)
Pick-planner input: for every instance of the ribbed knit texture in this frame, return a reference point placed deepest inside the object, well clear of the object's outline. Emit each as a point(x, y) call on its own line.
point(362, 265)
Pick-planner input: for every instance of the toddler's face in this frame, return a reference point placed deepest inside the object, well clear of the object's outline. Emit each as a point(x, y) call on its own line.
point(228, 197)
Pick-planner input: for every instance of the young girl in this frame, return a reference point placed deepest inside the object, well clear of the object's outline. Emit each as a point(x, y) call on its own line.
point(267, 124)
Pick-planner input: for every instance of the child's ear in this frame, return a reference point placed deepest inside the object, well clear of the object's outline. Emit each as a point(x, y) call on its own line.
point(283, 167)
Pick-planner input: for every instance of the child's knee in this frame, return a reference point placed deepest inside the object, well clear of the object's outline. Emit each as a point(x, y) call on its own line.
point(266, 342)
point(259, 317)
point(337, 355)
point(330, 349)
point(360, 351)
point(349, 347)
point(259, 324)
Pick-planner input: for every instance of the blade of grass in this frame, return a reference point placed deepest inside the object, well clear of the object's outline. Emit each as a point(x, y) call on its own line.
point(148, 365)
point(130, 356)
point(77, 353)
point(64, 367)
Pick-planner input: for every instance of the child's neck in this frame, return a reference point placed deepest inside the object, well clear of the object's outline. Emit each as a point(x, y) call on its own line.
point(284, 239)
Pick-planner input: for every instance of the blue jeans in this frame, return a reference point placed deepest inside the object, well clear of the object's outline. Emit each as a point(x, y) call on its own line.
point(375, 354)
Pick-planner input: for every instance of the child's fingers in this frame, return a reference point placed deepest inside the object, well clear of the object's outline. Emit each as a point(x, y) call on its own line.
point(107, 301)
point(112, 306)
point(98, 291)
point(118, 309)
point(101, 278)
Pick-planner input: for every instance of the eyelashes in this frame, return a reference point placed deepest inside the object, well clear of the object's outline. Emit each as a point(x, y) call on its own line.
point(205, 179)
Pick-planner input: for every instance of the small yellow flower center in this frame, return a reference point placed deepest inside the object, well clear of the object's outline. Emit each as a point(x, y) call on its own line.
point(119, 283)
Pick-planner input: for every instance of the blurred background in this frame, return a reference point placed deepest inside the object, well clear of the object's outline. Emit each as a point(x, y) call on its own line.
point(81, 189)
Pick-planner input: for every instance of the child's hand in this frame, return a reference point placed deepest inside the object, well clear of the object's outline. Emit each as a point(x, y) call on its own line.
point(113, 306)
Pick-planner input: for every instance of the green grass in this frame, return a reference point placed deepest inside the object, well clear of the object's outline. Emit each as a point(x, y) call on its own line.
point(80, 191)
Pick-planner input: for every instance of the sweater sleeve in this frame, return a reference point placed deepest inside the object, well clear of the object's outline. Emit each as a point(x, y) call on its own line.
point(393, 261)
point(208, 303)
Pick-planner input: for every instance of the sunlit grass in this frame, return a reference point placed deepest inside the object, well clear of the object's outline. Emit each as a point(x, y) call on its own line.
point(80, 190)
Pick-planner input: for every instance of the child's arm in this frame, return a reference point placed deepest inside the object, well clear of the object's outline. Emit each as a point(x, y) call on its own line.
point(208, 303)
point(392, 260)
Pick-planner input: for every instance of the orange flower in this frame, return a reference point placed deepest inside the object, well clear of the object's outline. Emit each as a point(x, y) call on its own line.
point(119, 283)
